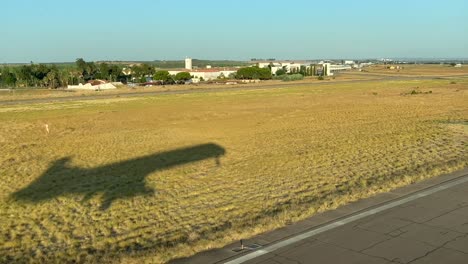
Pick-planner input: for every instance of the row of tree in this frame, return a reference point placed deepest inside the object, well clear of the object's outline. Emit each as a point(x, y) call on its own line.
point(43, 75)
point(34, 75)
point(103, 71)
point(53, 76)
point(166, 77)
point(243, 73)
point(253, 73)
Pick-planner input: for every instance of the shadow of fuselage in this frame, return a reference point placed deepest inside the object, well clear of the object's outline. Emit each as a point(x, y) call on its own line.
point(114, 181)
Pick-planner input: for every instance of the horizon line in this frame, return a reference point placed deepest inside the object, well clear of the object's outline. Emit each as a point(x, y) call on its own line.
point(257, 59)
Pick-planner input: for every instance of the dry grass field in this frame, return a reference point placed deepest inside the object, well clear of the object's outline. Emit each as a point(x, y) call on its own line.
point(417, 70)
point(373, 72)
point(22, 94)
point(149, 179)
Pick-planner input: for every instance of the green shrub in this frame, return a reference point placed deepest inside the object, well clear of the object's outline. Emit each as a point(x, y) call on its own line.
point(250, 73)
point(413, 92)
point(292, 77)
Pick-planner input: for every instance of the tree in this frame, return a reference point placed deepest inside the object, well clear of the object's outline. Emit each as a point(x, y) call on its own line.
point(52, 79)
point(142, 70)
point(280, 72)
point(88, 69)
point(147, 69)
point(33, 75)
point(25, 75)
point(115, 73)
point(254, 73)
point(81, 64)
point(40, 72)
point(64, 77)
point(103, 71)
point(182, 76)
point(75, 76)
point(303, 70)
point(91, 70)
point(110, 72)
point(7, 78)
point(163, 76)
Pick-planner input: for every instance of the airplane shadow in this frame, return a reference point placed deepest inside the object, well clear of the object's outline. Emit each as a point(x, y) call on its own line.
point(118, 180)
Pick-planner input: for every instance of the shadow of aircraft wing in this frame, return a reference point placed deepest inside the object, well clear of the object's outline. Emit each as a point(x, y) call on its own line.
point(117, 180)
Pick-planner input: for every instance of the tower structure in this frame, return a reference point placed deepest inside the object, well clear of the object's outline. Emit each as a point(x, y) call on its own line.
point(188, 63)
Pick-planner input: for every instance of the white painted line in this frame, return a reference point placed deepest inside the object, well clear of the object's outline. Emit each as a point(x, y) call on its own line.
point(332, 225)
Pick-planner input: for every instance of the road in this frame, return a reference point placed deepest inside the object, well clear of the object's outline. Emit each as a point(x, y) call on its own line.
point(426, 222)
point(230, 88)
point(428, 229)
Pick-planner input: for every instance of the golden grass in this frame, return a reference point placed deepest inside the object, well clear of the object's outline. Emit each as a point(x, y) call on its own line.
point(369, 73)
point(417, 69)
point(289, 154)
point(21, 94)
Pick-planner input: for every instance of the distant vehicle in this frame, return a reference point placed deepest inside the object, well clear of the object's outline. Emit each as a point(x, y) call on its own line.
point(151, 83)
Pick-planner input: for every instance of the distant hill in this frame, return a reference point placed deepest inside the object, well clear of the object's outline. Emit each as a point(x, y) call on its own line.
point(197, 63)
point(164, 64)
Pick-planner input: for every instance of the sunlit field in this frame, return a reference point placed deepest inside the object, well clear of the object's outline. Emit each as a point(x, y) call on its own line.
point(149, 179)
point(417, 70)
point(7, 95)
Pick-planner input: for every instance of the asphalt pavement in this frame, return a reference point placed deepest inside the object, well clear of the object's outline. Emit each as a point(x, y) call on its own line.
point(429, 229)
point(426, 222)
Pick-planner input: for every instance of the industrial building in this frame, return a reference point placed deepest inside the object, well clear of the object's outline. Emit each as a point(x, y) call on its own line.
point(292, 66)
point(288, 66)
point(206, 74)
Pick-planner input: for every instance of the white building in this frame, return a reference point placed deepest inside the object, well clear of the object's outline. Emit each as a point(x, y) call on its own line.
point(339, 67)
point(206, 74)
point(365, 64)
point(89, 86)
point(328, 67)
point(289, 66)
point(188, 63)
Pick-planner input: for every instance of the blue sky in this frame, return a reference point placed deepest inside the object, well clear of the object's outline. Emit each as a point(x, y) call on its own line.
point(62, 30)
